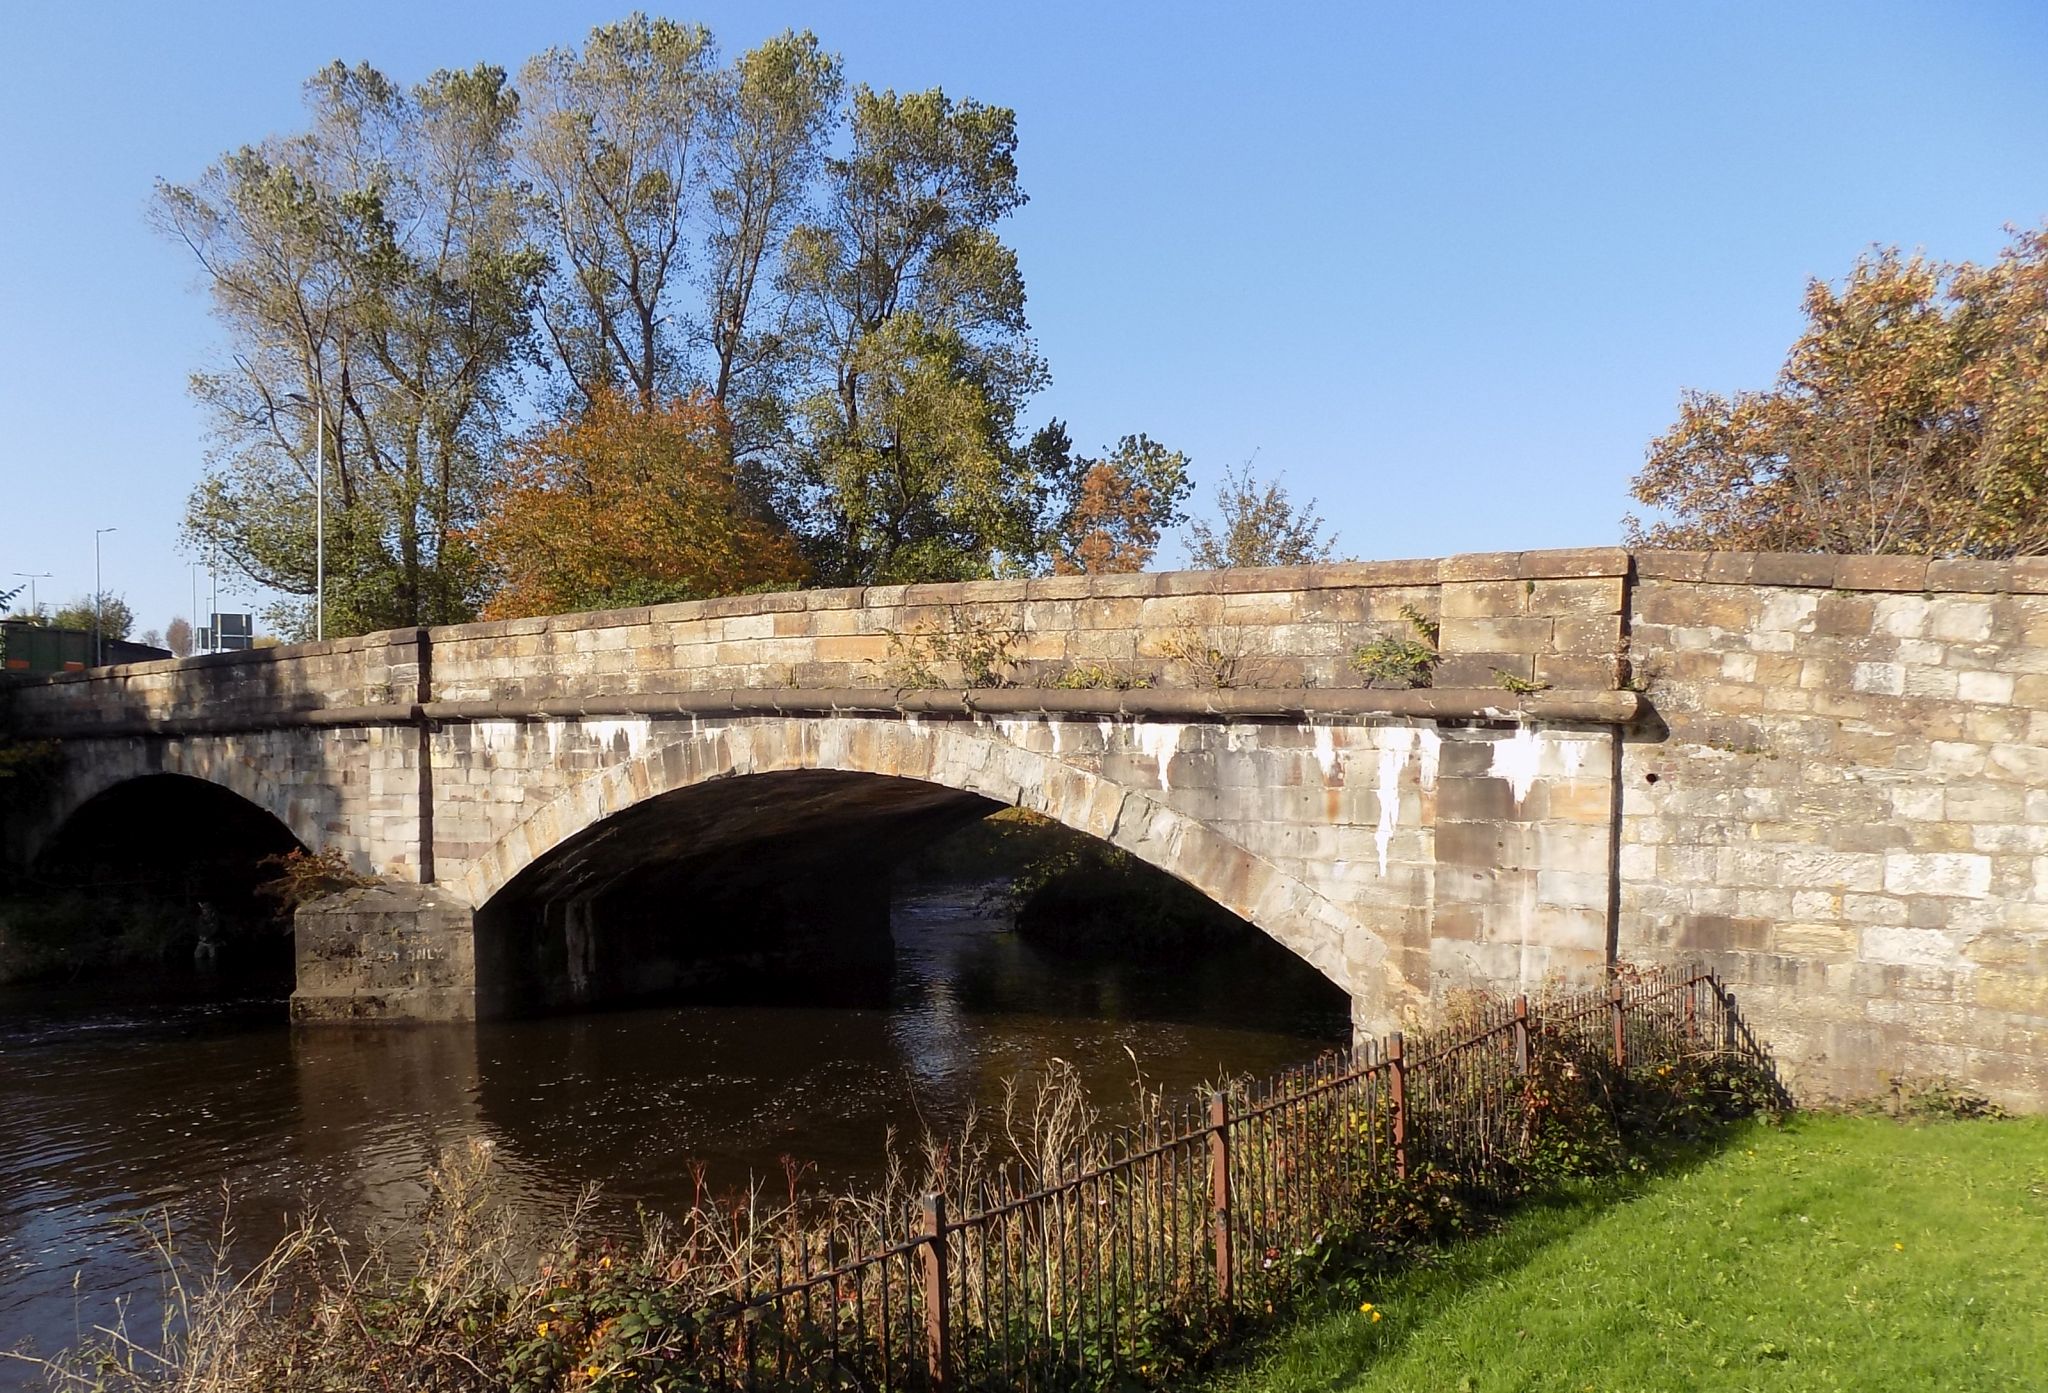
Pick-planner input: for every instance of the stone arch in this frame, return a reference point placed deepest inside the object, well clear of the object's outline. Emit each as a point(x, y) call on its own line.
point(108, 764)
point(969, 756)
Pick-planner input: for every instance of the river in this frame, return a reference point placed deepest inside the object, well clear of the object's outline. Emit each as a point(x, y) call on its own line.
point(118, 1109)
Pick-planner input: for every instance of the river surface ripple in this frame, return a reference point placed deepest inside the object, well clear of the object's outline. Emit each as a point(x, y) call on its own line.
point(116, 1112)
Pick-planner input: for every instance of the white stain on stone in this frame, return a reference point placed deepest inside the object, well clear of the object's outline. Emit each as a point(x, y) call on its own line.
point(1058, 730)
point(1239, 738)
point(498, 737)
point(1108, 729)
point(1516, 759)
point(1393, 759)
point(606, 735)
point(1161, 741)
point(1573, 755)
point(1431, 746)
point(1015, 729)
point(1326, 749)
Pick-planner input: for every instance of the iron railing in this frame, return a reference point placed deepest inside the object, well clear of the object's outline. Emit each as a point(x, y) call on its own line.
point(1080, 1271)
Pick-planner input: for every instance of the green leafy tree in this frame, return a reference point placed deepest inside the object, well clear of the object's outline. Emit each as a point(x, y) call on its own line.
point(1257, 524)
point(375, 265)
point(1910, 416)
point(907, 312)
point(113, 616)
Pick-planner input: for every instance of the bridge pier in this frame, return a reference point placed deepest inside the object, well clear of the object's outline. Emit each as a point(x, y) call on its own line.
point(393, 952)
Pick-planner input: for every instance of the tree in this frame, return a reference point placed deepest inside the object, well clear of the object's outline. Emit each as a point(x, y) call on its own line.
point(611, 148)
point(776, 109)
point(627, 506)
point(907, 312)
point(373, 271)
point(1115, 509)
point(112, 616)
point(1257, 524)
point(178, 636)
point(1910, 416)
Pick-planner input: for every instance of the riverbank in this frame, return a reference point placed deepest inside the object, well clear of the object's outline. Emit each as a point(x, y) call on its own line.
point(1105, 1235)
point(1828, 1253)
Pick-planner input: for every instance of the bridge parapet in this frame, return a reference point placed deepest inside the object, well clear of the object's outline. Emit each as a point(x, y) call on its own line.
point(1506, 620)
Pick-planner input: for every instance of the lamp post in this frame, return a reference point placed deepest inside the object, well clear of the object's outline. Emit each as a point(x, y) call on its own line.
point(99, 647)
point(319, 409)
point(32, 577)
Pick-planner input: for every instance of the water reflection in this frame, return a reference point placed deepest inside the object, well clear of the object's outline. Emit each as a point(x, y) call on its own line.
point(116, 1109)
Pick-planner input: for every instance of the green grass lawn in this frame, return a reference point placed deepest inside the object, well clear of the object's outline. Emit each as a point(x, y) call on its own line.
point(1830, 1253)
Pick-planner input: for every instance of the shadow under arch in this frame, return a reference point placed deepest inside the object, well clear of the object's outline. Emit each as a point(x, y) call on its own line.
point(860, 787)
point(183, 853)
point(117, 764)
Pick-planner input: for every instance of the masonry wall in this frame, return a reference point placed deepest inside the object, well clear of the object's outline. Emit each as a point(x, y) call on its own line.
point(1843, 807)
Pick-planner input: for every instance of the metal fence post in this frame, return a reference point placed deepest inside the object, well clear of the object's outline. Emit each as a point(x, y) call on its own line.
point(1219, 1191)
point(938, 1354)
point(1620, 1015)
point(1522, 1033)
point(1692, 1011)
point(1397, 1079)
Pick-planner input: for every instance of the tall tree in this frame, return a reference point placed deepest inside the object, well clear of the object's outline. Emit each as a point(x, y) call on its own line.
point(908, 313)
point(1910, 416)
point(627, 505)
point(1257, 524)
point(612, 148)
point(1112, 511)
point(775, 112)
point(178, 636)
point(372, 271)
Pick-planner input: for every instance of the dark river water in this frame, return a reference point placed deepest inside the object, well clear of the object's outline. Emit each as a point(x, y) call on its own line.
point(115, 1110)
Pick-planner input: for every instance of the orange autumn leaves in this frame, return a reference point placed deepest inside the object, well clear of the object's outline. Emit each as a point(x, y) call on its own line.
point(627, 505)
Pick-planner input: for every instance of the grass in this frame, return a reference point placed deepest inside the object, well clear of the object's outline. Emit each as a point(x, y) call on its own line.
point(1829, 1253)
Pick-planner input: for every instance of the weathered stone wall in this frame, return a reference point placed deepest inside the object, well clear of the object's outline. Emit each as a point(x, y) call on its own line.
point(1845, 811)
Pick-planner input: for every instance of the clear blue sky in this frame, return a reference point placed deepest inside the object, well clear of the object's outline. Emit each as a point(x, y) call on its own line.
point(1447, 266)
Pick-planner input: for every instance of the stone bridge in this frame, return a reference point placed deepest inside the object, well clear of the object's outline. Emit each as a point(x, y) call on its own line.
point(1826, 777)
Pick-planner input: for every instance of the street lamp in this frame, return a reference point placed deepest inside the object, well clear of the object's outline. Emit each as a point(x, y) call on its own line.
point(32, 577)
point(319, 409)
point(99, 654)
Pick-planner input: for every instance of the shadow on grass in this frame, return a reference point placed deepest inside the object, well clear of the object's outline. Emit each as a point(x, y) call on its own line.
point(1310, 1346)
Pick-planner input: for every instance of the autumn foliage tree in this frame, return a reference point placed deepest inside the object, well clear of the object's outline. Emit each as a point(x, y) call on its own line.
point(1911, 416)
point(1116, 507)
point(626, 505)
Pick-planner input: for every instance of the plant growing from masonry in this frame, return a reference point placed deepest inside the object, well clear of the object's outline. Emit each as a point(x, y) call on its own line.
point(304, 876)
point(1218, 659)
point(1100, 677)
point(971, 646)
point(1397, 659)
